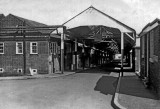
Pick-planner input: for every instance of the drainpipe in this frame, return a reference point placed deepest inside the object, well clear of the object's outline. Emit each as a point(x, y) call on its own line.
point(24, 47)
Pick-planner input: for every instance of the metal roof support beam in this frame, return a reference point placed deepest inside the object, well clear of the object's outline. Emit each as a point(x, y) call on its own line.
point(129, 36)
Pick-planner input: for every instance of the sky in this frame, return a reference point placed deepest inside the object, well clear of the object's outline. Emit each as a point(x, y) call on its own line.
point(134, 13)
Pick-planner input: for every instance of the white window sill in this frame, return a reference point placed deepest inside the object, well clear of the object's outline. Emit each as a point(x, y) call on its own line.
point(19, 53)
point(34, 53)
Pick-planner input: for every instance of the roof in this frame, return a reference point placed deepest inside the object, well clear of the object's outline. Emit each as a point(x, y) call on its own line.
point(12, 21)
point(80, 27)
point(29, 22)
point(93, 16)
point(150, 26)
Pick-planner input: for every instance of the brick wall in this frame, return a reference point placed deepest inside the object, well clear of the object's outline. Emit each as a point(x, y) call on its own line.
point(11, 61)
point(155, 65)
point(38, 61)
point(142, 56)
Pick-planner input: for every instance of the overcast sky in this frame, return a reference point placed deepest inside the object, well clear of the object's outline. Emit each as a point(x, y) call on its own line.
point(134, 13)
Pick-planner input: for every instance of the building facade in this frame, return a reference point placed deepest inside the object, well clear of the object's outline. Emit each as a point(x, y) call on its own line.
point(36, 53)
point(150, 54)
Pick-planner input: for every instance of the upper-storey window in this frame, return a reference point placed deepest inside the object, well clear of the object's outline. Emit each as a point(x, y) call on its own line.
point(1, 47)
point(19, 47)
point(33, 48)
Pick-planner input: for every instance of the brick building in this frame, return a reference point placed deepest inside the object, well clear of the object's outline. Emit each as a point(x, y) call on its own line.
point(150, 54)
point(36, 53)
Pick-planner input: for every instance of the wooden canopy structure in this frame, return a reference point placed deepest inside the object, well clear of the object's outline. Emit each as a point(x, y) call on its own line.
point(92, 26)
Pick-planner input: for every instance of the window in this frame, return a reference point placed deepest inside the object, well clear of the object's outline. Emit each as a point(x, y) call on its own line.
point(1, 48)
point(33, 48)
point(53, 47)
point(19, 48)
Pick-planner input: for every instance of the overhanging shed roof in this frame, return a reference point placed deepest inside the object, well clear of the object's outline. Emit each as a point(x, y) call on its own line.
point(150, 26)
point(93, 16)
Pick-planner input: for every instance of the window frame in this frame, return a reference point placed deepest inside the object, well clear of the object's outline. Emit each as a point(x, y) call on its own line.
point(31, 48)
point(17, 48)
point(53, 47)
point(3, 47)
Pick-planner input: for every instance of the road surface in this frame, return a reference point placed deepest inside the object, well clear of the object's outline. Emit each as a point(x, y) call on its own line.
point(91, 89)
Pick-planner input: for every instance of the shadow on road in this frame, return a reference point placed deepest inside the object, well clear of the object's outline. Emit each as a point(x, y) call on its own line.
point(106, 85)
point(132, 85)
point(94, 70)
point(106, 68)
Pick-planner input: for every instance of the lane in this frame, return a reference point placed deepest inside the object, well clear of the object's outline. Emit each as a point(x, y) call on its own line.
point(78, 91)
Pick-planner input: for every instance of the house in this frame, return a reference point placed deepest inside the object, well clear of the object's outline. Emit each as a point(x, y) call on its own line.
point(27, 51)
point(150, 54)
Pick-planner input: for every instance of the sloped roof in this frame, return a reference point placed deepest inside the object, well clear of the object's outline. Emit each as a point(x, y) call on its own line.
point(13, 21)
point(149, 26)
point(79, 27)
point(93, 16)
point(30, 22)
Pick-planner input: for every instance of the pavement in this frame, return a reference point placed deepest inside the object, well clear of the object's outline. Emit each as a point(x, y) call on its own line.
point(37, 76)
point(132, 94)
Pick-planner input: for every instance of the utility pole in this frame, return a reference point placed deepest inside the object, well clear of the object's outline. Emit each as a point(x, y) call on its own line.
point(62, 50)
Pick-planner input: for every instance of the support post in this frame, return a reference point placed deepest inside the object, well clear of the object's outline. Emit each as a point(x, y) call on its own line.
point(76, 54)
point(83, 60)
point(122, 51)
point(62, 50)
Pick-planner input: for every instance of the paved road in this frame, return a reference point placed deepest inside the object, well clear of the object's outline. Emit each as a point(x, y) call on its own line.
point(91, 89)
